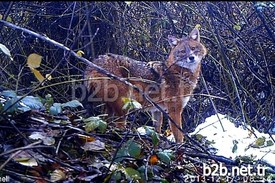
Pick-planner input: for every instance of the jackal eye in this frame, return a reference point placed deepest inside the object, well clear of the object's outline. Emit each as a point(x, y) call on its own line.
point(193, 48)
point(180, 53)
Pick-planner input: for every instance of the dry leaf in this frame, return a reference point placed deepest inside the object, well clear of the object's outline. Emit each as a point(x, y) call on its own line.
point(57, 175)
point(37, 74)
point(34, 60)
point(153, 160)
point(25, 158)
point(80, 53)
point(86, 138)
point(94, 146)
point(46, 138)
point(198, 26)
point(29, 162)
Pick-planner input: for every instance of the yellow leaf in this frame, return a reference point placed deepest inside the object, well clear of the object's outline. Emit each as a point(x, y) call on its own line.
point(34, 60)
point(128, 2)
point(9, 19)
point(48, 76)
point(125, 100)
point(25, 158)
point(57, 175)
point(237, 27)
point(198, 26)
point(86, 138)
point(80, 53)
point(37, 74)
point(27, 161)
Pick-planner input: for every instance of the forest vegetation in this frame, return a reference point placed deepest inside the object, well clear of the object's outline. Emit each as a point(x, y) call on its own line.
point(45, 48)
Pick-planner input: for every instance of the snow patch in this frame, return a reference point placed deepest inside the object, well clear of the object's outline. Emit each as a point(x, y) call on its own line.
point(239, 139)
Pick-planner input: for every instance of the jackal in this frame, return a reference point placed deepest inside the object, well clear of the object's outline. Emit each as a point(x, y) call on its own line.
point(169, 83)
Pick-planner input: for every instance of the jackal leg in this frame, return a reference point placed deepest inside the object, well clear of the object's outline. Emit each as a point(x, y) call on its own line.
point(175, 110)
point(118, 114)
point(157, 120)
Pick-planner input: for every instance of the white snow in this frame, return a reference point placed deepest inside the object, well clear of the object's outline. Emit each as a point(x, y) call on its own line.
point(223, 141)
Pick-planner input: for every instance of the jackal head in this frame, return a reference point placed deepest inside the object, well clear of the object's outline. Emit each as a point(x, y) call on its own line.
point(186, 52)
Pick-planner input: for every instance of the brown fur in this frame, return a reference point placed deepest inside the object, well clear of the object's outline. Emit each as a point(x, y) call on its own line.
point(168, 83)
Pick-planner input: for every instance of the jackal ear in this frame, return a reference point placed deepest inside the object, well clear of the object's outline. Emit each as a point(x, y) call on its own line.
point(173, 41)
point(195, 34)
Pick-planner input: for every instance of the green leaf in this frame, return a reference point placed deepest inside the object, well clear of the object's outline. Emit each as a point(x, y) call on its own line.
point(259, 142)
point(165, 156)
point(92, 123)
point(130, 148)
point(149, 130)
point(130, 104)
point(1, 108)
point(31, 102)
point(145, 170)
point(137, 105)
point(24, 108)
point(269, 143)
point(48, 102)
point(72, 104)
point(155, 138)
point(134, 149)
point(132, 173)
point(121, 154)
point(102, 126)
point(199, 137)
point(117, 175)
point(142, 169)
point(235, 146)
point(8, 93)
point(9, 103)
point(56, 109)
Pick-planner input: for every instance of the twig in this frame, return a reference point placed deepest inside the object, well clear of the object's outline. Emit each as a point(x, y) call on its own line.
point(18, 152)
point(234, 78)
point(212, 103)
point(119, 147)
point(24, 178)
point(59, 143)
point(24, 148)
